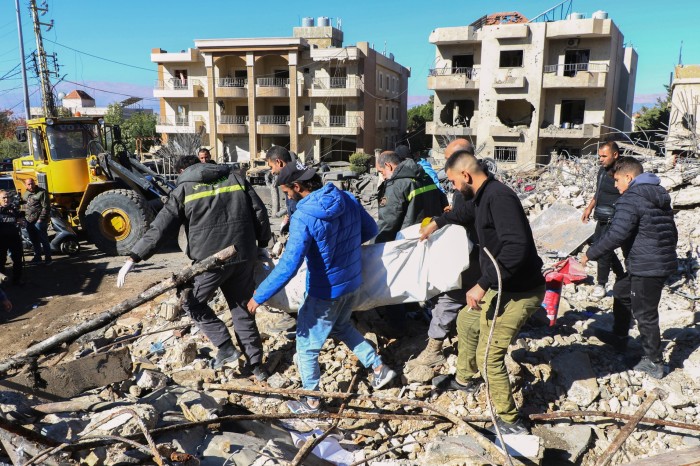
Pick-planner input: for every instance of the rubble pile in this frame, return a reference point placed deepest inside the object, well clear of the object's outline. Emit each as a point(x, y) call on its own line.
point(122, 416)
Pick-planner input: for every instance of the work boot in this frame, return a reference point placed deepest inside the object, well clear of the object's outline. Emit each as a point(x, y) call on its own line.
point(431, 356)
point(227, 353)
point(618, 342)
point(654, 369)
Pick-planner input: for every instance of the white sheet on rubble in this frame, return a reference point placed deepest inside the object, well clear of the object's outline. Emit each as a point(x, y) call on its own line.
point(401, 271)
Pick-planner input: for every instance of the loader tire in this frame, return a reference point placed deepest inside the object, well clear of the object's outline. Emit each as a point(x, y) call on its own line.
point(115, 220)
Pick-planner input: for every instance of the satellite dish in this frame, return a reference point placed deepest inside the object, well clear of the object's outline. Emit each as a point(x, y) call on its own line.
point(61, 95)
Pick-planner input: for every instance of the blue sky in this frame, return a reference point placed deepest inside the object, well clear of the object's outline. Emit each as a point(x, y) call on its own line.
point(127, 30)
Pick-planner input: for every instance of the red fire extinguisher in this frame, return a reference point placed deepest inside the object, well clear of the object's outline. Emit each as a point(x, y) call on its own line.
point(550, 303)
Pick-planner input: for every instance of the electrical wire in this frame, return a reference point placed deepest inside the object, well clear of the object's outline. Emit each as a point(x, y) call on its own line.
point(110, 92)
point(101, 58)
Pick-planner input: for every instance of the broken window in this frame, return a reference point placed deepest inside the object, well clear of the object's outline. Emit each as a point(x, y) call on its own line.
point(572, 112)
point(457, 112)
point(576, 60)
point(689, 121)
point(506, 154)
point(511, 59)
point(515, 112)
point(462, 63)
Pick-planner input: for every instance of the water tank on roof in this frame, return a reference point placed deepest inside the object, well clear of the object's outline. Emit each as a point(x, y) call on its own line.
point(576, 16)
point(324, 21)
point(307, 22)
point(600, 14)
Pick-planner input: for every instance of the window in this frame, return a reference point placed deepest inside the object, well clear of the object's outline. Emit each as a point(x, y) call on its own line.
point(505, 154)
point(307, 108)
point(379, 114)
point(576, 60)
point(70, 141)
point(381, 81)
point(462, 63)
point(511, 59)
point(572, 111)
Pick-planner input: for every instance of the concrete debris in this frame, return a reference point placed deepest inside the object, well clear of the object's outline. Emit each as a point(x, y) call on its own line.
point(564, 443)
point(575, 375)
point(123, 424)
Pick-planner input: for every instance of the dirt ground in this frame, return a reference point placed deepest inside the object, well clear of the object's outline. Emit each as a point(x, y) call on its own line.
point(72, 289)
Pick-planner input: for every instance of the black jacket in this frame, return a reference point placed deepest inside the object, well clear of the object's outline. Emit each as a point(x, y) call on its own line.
point(643, 226)
point(406, 199)
point(606, 195)
point(8, 221)
point(503, 229)
point(218, 208)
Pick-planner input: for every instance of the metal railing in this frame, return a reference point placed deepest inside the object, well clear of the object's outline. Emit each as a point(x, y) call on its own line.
point(273, 82)
point(273, 119)
point(345, 82)
point(232, 82)
point(572, 68)
point(233, 119)
point(177, 120)
point(470, 73)
point(336, 121)
point(177, 84)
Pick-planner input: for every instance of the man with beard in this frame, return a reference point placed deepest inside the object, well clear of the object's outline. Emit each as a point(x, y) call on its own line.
point(602, 206)
point(502, 229)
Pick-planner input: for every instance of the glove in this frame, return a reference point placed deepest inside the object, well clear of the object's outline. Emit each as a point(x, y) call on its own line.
point(126, 268)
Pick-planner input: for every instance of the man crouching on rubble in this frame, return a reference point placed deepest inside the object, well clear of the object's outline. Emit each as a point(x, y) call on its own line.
point(327, 229)
point(219, 209)
point(643, 226)
point(502, 228)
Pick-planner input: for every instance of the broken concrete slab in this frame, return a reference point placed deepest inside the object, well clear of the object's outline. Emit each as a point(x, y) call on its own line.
point(684, 457)
point(234, 448)
point(686, 197)
point(73, 378)
point(122, 424)
point(458, 450)
point(564, 443)
point(575, 374)
point(194, 378)
point(559, 229)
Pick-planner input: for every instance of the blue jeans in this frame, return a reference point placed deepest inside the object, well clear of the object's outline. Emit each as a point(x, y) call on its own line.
point(317, 320)
point(39, 236)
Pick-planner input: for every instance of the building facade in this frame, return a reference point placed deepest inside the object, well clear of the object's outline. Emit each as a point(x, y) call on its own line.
point(307, 93)
point(683, 128)
point(522, 91)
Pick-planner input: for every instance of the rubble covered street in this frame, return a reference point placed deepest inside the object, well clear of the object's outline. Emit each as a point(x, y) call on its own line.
point(139, 390)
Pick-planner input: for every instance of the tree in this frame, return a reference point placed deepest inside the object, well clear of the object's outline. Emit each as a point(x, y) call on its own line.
point(10, 148)
point(138, 125)
point(114, 114)
point(415, 136)
point(8, 124)
point(652, 123)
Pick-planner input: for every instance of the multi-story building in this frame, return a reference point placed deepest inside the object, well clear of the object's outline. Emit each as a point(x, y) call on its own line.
point(684, 128)
point(523, 90)
point(307, 93)
point(80, 103)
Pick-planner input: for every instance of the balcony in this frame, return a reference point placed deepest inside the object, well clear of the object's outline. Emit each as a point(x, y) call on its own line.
point(502, 131)
point(510, 82)
point(346, 86)
point(272, 124)
point(571, 75)
point(232, 87)
point(509, 31)
point(586, 130)
point(442, 129)
point(189, 56)
point(179, 88)
point(577, 28)
point(272, 87)
point(444, 79)
point(453, 35)
point(336, 125)
point(179, 124)
point(232, 124)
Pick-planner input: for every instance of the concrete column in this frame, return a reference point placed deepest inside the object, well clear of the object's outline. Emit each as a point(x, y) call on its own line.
point(252, 112)
point(293, 104)
point(317, 150)
point(211, 106)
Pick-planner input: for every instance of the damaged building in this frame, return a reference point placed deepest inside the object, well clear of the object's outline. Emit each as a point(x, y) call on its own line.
point(683, 126)
point(307, 93)
point(523, 90)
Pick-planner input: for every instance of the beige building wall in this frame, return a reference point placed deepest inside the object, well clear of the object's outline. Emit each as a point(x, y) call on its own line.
point(523, 91)
point(684, 128)
point(306, 92)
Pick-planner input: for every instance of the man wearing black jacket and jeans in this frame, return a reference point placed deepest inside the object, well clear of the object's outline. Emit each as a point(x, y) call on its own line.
point(502, 228)
point(643, 226)
point(602, 206)
point(219, 208)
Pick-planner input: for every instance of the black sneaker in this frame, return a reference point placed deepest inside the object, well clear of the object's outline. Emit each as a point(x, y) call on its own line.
point(654, 369)
point(260, 373)
point(47, 261)
point(618, 342)
point(303, 407)
point(383, 377)
point(35, 260)
point(227, 353)
point(509, 428)
point(449, 382)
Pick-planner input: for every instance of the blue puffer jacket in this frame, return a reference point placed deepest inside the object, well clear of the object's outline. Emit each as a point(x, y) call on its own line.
point(327, 229)
point(643, 226)
point(427, 168)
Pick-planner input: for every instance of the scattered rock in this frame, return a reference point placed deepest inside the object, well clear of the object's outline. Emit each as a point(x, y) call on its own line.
point(575, 374)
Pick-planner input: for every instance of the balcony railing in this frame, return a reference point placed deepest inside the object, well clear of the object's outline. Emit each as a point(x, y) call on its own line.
point(177, 84)
point(273, 119)
point(469, 72)
point(570, 69)
point(233, 119)
point(336, 121)
point(232, 82)
point(344, 82)
point(273, 82)
point(177, 120)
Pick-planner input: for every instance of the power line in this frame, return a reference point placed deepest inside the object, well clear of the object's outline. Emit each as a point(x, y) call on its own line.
point(101, 58)
point(110, 92)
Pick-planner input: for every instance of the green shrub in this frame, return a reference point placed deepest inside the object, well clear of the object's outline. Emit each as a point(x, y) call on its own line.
point(359, 162)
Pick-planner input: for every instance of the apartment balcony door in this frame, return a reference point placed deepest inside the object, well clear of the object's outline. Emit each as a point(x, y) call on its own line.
point(180, 79)
point(576, 60)
point(182, 115)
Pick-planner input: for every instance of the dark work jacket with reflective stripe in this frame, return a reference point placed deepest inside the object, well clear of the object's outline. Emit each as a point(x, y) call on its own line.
point(218, 209)
point(406, 199)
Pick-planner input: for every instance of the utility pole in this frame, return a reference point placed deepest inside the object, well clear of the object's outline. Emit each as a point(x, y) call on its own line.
point(44, 73)
point(27, 112)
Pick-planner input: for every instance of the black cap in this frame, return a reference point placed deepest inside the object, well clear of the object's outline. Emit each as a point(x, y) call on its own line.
point(295, 171)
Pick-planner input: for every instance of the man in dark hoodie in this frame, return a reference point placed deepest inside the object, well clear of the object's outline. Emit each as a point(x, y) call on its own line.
point(219, 209)
point(326, 230)
point(643, 226)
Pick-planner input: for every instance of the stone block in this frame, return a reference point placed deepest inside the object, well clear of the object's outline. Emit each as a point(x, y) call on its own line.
point(564, 443)
point(575, 374)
